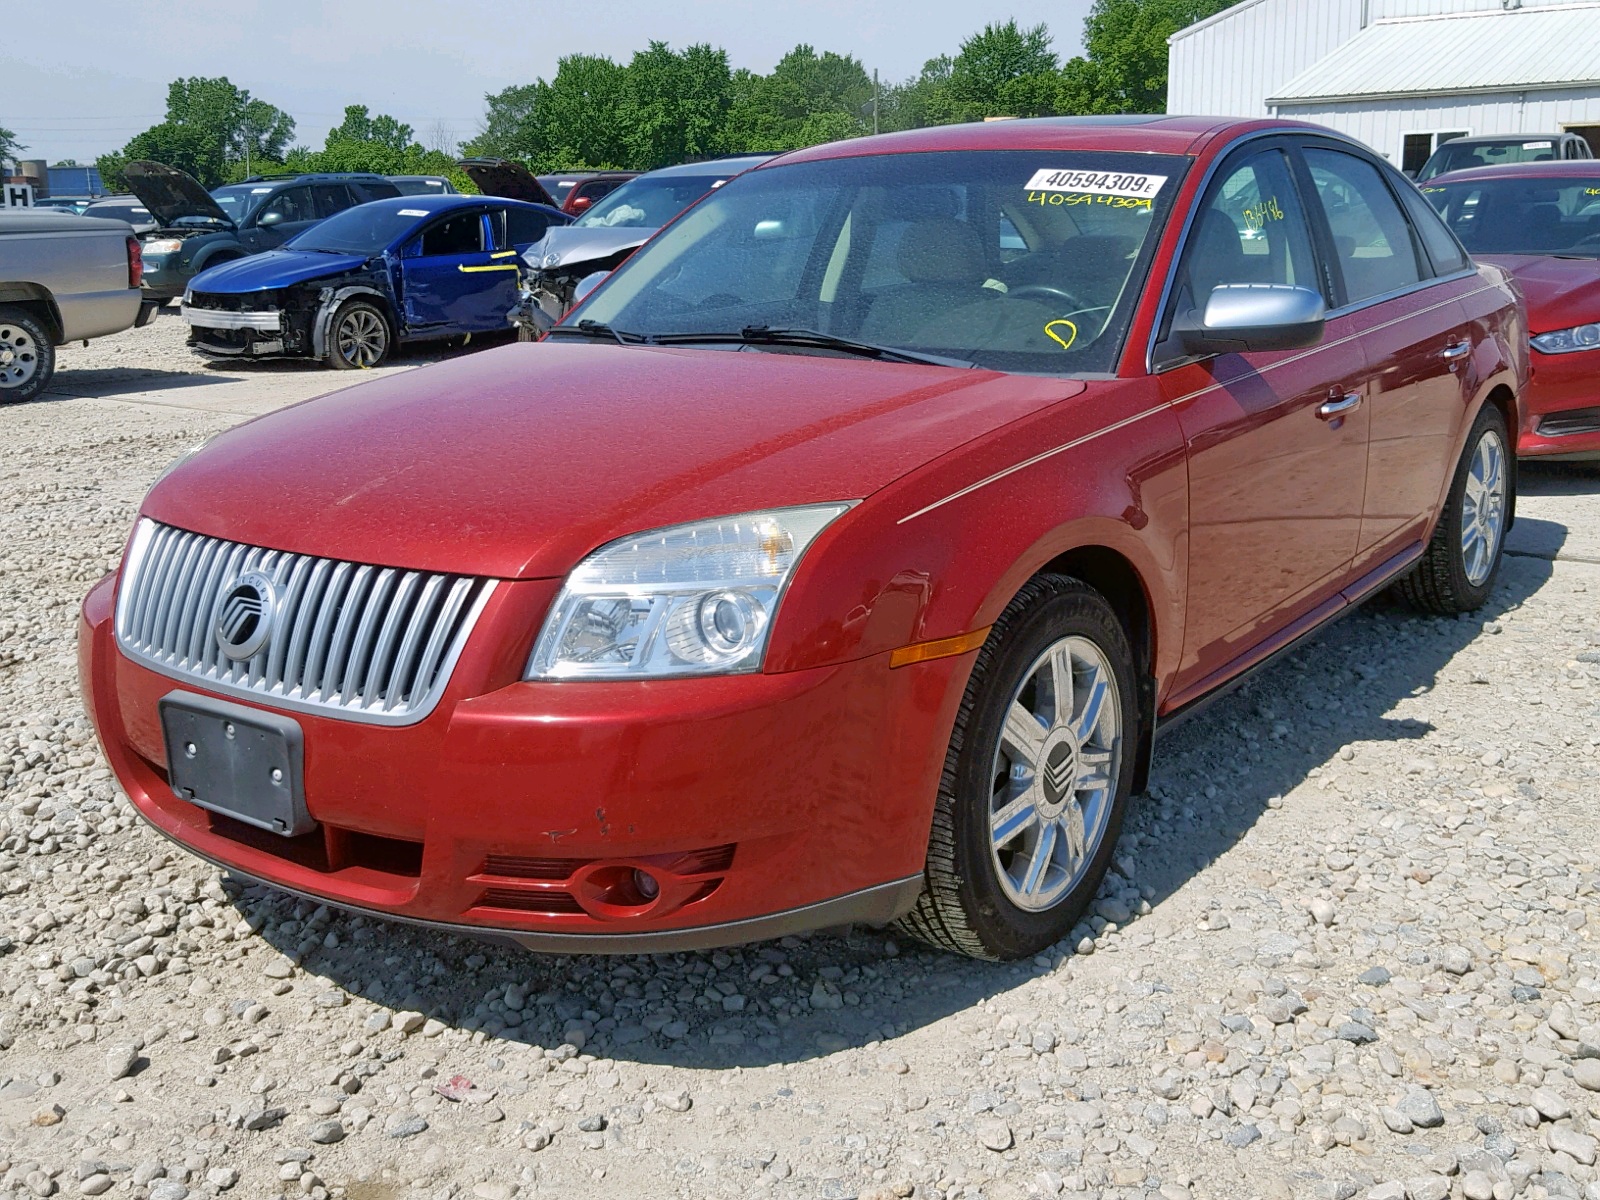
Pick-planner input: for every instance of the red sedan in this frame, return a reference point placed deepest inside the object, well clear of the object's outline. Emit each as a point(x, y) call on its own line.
point(839, 561)
point(1541, 221)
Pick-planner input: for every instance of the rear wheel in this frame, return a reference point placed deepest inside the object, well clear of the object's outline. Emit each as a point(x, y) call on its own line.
point(27, 356)
point(358, 338)
point(1459, 568)
point(1036, 778)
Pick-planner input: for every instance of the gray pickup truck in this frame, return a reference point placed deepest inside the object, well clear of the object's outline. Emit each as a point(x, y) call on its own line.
point(63, 278)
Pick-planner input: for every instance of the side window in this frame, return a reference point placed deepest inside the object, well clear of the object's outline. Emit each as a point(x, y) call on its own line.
point(1371, 236)
point(524, 226)
point(460, 234)
point(497, 228)
point(1442, 248)
point(292, 204)
point(330, 198)
point(1250, 228)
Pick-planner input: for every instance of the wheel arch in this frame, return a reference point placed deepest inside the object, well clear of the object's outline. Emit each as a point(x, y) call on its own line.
point(38, 302)
point(334, 297)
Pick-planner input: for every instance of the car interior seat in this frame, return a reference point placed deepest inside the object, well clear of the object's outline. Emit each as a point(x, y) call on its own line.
point(943, 263)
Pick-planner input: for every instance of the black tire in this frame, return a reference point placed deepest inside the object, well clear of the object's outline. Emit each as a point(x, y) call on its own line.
point(359, 336)
point(1442, 582)
point(27, 356)
point(964, 906)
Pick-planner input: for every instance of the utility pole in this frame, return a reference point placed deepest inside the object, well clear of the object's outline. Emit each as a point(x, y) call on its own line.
point(874, 99)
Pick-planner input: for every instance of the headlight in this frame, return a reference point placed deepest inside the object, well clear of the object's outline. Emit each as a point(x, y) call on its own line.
point(163, 245)
point(1565, 341)
point(694, 599)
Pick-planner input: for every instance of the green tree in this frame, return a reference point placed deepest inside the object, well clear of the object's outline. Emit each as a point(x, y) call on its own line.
point(8, 145)
point(506, 131)
point(922, 100)
point(808, 98)
point(1124, 65)
point(675, 104)
point(210, 125)
point(358, 126)
point(1004, 72)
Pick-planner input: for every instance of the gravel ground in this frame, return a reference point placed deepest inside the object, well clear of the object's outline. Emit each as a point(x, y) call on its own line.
point(1351, 947)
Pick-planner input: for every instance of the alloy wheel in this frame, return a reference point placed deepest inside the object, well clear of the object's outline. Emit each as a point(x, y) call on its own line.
point(362, 338)
point(1483, 508)
point(19, 356)
point(1055, 774)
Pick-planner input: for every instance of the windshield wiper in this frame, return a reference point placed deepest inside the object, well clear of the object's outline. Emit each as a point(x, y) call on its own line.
point(767, 335)
point(598, 329)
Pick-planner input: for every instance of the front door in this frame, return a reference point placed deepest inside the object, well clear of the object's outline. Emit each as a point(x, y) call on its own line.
point(1277, 441)
point(280, 218)
point(1417, 338)
point(458, 283)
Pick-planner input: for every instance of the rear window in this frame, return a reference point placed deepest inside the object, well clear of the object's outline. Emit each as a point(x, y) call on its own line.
point(1458, 155)
point(1522, 216)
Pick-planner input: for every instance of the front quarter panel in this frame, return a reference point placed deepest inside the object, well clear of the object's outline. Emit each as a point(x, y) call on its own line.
point(943, 550)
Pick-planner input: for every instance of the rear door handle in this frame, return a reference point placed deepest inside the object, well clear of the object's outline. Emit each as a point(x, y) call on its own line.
point(1455, 350)
point(1339, 406)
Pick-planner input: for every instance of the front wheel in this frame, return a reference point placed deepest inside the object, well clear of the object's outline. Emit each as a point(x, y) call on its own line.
point(27, 356)
point(1036, 778)
point(358, 338)
point(1462, 561)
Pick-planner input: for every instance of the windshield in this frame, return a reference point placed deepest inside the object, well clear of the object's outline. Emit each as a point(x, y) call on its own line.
point(1025, 261)
point(1523, 216)
point(1458, 156)
point(364, 229)
point(240, 200)
point(647, 203)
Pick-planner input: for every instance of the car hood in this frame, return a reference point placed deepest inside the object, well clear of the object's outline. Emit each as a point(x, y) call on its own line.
point(1560, 292)
point(571, 245)
point(517, 462)
point(170, 193)
point(507, 179)
point(275, 269)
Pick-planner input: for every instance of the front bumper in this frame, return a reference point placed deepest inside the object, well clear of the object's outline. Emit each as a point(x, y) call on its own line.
point(161, 282)
point(230, 334)
point(1561, 408)
point(763, 804)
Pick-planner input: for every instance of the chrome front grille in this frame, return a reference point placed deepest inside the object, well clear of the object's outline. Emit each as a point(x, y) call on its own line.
point(362, 642)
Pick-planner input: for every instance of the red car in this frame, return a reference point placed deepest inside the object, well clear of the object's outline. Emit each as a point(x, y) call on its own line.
point(842, 557)
point(1541, 221)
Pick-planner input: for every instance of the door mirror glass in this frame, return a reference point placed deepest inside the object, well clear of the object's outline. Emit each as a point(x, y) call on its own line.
point(587, 284)
point(269, 219)
point(1254, 316)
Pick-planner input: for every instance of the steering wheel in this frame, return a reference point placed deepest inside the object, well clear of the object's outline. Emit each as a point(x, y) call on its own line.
point(1045, 291)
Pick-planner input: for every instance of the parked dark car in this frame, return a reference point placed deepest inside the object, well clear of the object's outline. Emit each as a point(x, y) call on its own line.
point(575, 191)
point(123, 208)
point(599, 240)
point(1460, 154)
point(423, 185)
point(200, 229)
point(401, 270)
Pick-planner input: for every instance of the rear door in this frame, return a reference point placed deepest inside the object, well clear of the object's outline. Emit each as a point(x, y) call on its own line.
point(1416, 335)
point(455, 281)
point(1277, 441)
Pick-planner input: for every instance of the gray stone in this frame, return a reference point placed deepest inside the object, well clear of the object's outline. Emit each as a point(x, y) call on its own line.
point(1579, 1146)
point(1242, 1136)
point(326, 1133)
point(1396, 1120)
point(1586, 1074)
point(1355, 1031)
point(404, 1125)
point(994, 1134)
point(1477, 1185)
point(1550, 1104)
point(1428, 1187)
point(120, 1059)
point(96, 1185)
point(1374, 976)
point(1421, 1108)
point(168, 1189)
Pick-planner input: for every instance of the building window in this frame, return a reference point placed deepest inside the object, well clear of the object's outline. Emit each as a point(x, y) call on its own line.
point(1417, 148)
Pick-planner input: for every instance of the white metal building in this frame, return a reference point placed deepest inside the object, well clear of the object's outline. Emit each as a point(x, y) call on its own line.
point(1401, 75)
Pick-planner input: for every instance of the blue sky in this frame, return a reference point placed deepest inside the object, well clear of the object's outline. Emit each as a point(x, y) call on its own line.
point(83, 77)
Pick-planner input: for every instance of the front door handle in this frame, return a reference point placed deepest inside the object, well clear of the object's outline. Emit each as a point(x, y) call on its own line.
point(1455, 350)
point(1339, 406)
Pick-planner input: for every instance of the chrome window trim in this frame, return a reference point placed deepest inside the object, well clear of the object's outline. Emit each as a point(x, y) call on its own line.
point(274, 697)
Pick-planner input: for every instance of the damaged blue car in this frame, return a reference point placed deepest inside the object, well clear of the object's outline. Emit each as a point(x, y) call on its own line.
point(351, 288)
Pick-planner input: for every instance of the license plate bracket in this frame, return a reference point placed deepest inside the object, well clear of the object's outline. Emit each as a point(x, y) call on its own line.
point(236, 761)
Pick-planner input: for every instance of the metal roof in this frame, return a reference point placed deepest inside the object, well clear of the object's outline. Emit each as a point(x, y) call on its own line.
point(1464, 53)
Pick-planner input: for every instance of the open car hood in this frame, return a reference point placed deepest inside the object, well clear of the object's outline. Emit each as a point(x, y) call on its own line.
point(511, 180)
point(170, 193)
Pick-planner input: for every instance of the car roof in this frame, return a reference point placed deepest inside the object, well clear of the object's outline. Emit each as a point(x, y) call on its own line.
point(711, 166)
point(444, 202)
point(1129, 133)
point(1502, 137)
point(1572, 168)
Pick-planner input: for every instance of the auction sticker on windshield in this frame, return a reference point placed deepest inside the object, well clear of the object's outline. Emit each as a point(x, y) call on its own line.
point(1097, 183)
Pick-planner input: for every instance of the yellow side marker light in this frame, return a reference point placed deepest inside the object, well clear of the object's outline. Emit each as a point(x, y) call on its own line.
point(942, 648)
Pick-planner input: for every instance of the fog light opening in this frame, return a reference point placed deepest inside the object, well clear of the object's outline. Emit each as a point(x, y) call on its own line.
point(646, 884)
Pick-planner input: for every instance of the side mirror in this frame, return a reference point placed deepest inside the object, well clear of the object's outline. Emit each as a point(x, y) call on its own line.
point(580, 203)
point(581, 290)
point(268, 220)
point(1253, 316)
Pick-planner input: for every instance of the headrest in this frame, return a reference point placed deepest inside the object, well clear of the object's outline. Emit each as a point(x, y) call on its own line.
point(943, 251)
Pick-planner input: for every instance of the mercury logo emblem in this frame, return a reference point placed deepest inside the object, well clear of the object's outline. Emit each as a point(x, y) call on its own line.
point(1060, 767)
point(244, 621)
